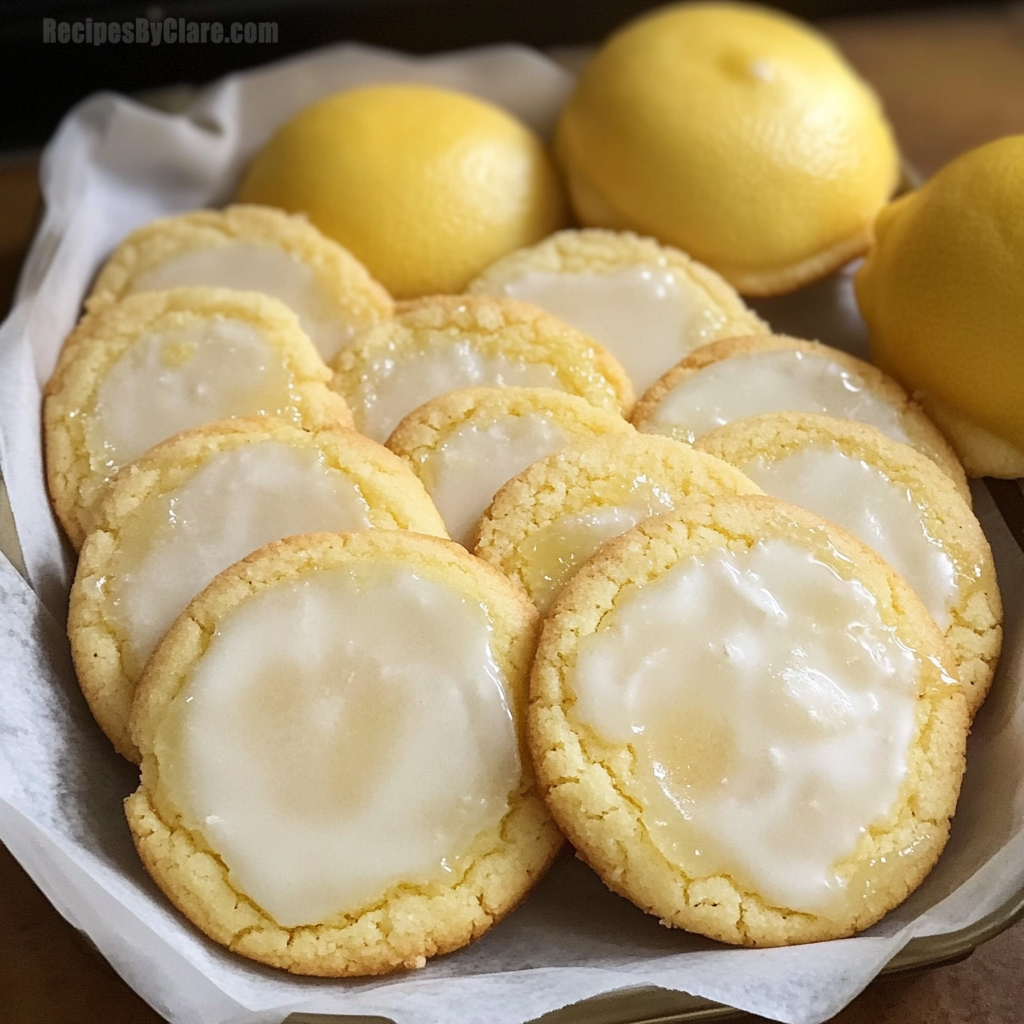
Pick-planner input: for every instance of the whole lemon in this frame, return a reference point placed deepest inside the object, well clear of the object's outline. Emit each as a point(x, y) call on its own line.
point(942, 292)
point(736, 133)
point(425, 186)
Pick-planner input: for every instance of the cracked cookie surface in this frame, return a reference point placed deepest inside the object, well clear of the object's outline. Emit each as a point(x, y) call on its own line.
point(400, 917)
point(252, 248)
point(747, 376)
point(134, 373)
point(547, 521)
point(649, 304)
point(678, 808)
point(446, 342)
point(895, 500)
point(195, 504)
point(466, 444)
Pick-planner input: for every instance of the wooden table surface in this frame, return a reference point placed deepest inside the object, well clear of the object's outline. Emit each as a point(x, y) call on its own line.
point(950, 80)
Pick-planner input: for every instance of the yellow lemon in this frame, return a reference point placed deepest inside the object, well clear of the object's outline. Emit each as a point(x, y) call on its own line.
point(427, 187)
point(735, 133)
point(942, 291)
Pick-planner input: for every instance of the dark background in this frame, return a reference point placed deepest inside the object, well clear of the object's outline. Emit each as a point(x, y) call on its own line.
point(39, 82)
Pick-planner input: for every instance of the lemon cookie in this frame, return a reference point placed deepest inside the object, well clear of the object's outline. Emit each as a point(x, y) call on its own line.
point(547, 521)
point(254, 249)
point(334, 772)
point(648, 304)
point(196, 504)
point(896, 501)
point(466, 444)
point(134, 373)
point(448, 342)
point(748, 724)
point(728, 380)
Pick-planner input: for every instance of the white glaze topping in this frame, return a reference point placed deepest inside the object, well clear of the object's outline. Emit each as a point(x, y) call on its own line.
point(874, 508)
point(465, 471)
point(208, 370)
point(239, 500)
point(770, 709)
point(391, 388)
point(343, 733)
point(647, 317)
point(258, 267)
point(776, 381)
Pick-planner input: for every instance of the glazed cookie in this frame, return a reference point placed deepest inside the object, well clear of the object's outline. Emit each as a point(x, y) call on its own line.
point(334, 772)
point(748, 724)
point(196, 504)
point(136, 372)
point(896, 501)
point(648, 304)
point(728, 380)
point(546, 522)
point(466, 444)
point(447, 342)
point(255, 249)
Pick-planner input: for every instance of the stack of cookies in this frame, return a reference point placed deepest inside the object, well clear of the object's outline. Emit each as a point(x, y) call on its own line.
point(380, 630)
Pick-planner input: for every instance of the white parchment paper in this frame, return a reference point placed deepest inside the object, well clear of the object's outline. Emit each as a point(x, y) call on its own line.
point(115, 165)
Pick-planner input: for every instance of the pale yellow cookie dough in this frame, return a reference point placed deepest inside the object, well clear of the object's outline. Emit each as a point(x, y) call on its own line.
point(648, 304)
point(888, 406)
point(925, 499)
point(161, 338)
point(547, 521)
point(251, 248)
point(187, 510)
point(446, 342)
point(604, 792)
point(410, 921)
point(466, 444)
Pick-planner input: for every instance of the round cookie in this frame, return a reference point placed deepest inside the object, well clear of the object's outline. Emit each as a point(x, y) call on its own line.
point(255, 249)
point(648, 304)
point(447, 342)
point(356, 796)
point(137, 372)
point(728, 380)
point(747, 724)
point(196, 504)
point(897, 502)
point(546, 522)
point(466, 444)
